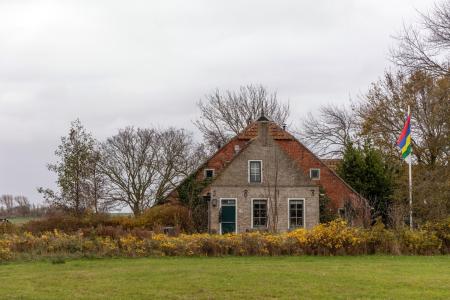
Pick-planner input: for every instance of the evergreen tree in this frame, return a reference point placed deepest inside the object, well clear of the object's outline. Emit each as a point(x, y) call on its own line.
point(366, 170)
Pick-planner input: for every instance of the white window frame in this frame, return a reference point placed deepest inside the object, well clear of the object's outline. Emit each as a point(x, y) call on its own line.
point(289, 211)
point(251, 209)
point(248, 167)
point(235, 213)
point(204, 174)
point(310, 172)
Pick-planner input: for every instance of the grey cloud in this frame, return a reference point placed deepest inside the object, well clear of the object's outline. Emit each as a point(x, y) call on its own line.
point(146, 63)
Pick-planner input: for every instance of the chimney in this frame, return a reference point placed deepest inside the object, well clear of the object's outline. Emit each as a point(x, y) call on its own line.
point(263, 128)
point(237, 148)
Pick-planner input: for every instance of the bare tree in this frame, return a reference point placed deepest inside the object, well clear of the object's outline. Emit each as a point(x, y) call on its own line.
point(7, 201)
point(178, 157)
point(329, 132)
point(96, 185)
point(128, 160)
point(426, 47)
point(143, 165)
point(23, 206)
point(225, 114)
point(21, 201)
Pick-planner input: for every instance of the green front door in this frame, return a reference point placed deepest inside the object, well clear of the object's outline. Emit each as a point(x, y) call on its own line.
point(228, 216)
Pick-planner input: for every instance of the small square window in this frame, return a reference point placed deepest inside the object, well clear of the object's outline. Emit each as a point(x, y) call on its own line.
point(209, 173)
point(314, 174)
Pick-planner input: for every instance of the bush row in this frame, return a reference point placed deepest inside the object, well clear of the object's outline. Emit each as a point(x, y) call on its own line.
point(334, 238)
point(170, 215)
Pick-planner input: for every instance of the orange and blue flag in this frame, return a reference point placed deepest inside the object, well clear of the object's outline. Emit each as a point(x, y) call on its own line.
point(404, 141)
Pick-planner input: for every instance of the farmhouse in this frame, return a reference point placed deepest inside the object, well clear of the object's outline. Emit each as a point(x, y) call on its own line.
point(265, 179)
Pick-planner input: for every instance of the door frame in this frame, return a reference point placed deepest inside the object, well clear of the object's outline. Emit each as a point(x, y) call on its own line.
point(235, 213)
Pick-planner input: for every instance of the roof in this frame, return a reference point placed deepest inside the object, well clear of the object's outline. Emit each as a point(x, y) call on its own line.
point(263, 118)
point(332, 163)
point(292, 146)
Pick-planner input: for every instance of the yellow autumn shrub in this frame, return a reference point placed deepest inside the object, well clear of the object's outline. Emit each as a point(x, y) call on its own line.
point(5, 250)
point(334, 238)
point(420, 242)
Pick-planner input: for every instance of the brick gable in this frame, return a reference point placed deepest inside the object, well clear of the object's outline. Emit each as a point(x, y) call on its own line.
point(336, 188)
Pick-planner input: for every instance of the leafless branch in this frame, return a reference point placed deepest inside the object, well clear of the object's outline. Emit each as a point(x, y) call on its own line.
point(329, 133)
point(426, 47)
point(225, 114)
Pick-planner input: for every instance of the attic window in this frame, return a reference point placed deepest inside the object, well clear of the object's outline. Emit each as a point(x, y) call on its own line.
point(209, 173)
point(255, 171)
point(314, 174)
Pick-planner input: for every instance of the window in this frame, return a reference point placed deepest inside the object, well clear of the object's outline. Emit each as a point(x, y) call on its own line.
point(259, 213)
point(228, 202)
point(254, 172)
point(209, 173)
point(314, 174)
point(296, 210)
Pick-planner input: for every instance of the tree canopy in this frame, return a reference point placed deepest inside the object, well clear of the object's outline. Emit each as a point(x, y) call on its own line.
point(365, 169)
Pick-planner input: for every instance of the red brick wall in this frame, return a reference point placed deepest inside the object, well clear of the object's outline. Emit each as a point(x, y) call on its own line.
point(223, 157)
point(335, 188)
point(217, 162)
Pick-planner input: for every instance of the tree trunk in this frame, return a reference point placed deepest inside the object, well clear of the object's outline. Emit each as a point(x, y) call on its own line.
point(136, 209)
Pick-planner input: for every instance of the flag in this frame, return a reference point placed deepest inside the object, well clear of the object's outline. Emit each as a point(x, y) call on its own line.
point(404, 140)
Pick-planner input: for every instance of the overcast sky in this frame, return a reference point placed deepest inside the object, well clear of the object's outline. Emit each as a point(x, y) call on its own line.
point(147, 63)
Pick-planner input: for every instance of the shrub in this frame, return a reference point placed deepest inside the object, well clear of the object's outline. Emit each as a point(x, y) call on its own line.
point(5, 250)
point(420, 242)
point(442, 230)
point(378, 239)
point(154, 218)
point(7, 227)
point(334, 238)
point(68, 223)
point(167, 215)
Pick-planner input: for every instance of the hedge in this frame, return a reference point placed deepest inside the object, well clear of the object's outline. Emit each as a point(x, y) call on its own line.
point(333, 238)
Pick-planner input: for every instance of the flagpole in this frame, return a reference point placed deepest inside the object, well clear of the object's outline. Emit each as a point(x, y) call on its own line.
point(410, 186)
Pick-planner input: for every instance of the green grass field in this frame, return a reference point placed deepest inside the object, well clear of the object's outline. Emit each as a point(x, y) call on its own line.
point(230, 278)
point(21, 220)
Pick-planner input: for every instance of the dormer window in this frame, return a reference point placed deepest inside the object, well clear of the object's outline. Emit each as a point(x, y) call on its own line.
point(209, 173)
point(255, 171)
point(314, 174)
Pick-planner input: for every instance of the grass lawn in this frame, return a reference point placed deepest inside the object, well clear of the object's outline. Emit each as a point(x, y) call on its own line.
point(375, 277)
point(21, 220)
